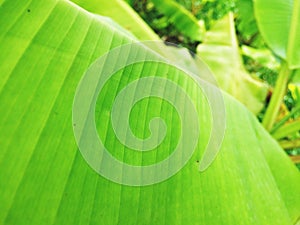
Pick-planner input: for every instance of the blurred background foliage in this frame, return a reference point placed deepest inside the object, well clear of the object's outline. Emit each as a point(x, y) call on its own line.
point(259, 61)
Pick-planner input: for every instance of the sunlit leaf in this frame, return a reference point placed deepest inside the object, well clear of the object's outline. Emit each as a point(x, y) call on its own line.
point(263, 56)
point(296, 77)
point(122, 13)
point(46, 47)
point(221, 52)
point(293, 50)
point(279, 24)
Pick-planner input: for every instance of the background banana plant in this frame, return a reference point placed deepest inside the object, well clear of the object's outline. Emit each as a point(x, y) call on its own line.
point(282, 35)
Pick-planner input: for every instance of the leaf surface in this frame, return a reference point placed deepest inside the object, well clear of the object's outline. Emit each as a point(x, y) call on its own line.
point(46, 47)
point(279, 24)
point(122, 13)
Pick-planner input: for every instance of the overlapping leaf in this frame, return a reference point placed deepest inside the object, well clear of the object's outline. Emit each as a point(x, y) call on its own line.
point(122, 13)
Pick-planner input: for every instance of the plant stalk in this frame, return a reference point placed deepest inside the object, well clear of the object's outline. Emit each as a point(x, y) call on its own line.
point(277, 97)
point(290, 144)
point(287, 129)
point(285, 119)
point(295, 158)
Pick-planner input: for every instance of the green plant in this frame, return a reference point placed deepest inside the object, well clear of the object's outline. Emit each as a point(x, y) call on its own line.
point(281, 35)
point(181, 18)
point(46, 47)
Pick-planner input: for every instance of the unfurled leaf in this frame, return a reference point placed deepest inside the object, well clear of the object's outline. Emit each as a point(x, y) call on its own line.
point(263, 56)
point(279, 24)
point(46, 48)
point(221, 52)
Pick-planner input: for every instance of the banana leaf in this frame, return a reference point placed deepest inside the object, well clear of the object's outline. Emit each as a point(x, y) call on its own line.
point(220, 51)
point(181, 18)
point(279, 24)
point(46, 48)
point(263, 56)
point(122, 13)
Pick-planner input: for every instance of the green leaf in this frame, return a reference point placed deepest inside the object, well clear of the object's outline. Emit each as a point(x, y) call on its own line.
point(122, 13)
point(279, 24)
point(293, 49)
point(288, 129)
point(181, 18)
point(221, 52)
point(46, 47)
point(296, 77)
point(246, 20)
point(263, 56)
